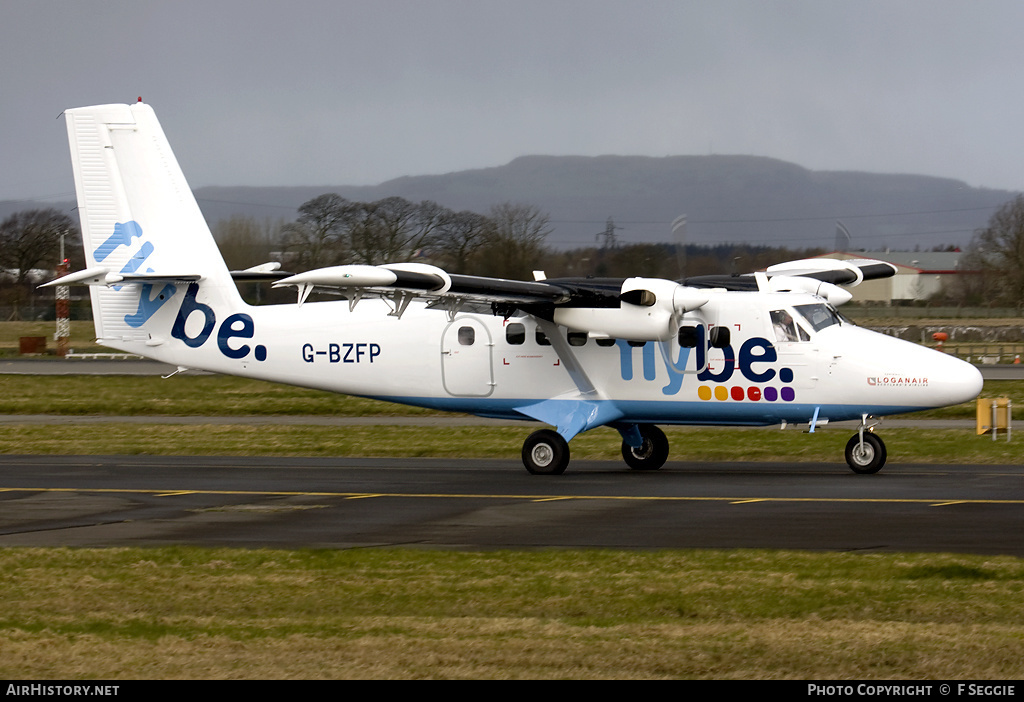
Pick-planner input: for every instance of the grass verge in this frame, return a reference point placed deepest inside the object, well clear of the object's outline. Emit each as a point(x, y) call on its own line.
point(222, 613)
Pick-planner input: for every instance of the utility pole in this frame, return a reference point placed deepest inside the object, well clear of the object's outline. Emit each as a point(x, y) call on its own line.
point(63, 335)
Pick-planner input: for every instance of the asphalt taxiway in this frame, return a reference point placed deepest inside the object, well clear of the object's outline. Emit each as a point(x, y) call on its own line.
point(486, 504)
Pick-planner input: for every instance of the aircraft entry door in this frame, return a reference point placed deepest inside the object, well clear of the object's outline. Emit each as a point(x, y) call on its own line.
point(466, 353)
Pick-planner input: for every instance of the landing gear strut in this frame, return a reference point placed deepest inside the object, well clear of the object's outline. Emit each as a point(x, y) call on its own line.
point(545, 452)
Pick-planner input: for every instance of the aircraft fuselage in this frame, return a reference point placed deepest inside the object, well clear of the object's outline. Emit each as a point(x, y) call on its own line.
point(488, 365)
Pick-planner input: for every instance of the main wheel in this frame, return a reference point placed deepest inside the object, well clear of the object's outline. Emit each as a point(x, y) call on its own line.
point(545, 452)
point(868, 458)
point(651, 454)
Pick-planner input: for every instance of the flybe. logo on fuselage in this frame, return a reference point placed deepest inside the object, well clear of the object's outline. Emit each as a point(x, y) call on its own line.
point(236, 326)
point(754, 354)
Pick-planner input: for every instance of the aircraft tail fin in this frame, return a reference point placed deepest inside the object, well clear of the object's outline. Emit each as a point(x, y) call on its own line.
point(145, 238)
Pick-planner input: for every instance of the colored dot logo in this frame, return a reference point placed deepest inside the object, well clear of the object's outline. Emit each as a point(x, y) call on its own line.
point(752, 393)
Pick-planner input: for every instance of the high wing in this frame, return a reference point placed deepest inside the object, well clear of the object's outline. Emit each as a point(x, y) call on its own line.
point(422, 280)
point(825, 277)
point(631, 308)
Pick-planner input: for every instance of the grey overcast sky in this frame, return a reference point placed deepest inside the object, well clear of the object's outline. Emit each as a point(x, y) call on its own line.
point(346, 92)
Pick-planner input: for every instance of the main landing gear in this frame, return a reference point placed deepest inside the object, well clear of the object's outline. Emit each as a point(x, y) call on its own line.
point(651, 454)
point(545, 452)
point(865, 451)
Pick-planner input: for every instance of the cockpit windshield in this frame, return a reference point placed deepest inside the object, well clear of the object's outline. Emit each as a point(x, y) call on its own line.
point(819, 316)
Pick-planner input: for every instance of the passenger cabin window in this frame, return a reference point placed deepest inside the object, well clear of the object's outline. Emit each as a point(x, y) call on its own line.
point(542, 339)
point(605, 342)
point(688, 337)
point(515, 334)
point(467, 335)
point(577, 338)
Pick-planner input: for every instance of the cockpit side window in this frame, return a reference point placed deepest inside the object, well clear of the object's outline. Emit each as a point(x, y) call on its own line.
point(782, 323)
point(819, 316)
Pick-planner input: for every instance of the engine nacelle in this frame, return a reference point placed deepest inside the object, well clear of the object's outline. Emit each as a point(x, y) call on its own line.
point(649, 310)
point(831, 292)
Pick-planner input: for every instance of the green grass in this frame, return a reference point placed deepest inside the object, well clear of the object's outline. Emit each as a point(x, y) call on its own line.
point(223, 613)
point(210, 395)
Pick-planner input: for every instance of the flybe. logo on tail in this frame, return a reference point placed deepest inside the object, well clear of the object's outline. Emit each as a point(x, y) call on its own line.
point(123, 234)
point(235, 327)
point(149, 303)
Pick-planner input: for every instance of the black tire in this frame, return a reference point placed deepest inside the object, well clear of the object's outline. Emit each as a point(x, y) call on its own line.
point(652, 454)
point(545, 452)
point(868, 460)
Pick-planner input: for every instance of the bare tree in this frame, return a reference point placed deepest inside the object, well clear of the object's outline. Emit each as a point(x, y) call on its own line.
point(31, 239)
point(458, 240)
point(319, 237)
point(246, 241)
point(392, 229)
point(515, 246)
point(998, 252)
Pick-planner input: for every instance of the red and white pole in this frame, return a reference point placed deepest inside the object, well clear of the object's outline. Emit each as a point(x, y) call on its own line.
point(63, 335)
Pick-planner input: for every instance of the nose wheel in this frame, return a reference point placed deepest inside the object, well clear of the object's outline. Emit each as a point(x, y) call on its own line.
point(865, 453)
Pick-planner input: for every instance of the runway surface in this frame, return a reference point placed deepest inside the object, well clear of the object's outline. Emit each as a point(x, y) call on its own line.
point(484, 504)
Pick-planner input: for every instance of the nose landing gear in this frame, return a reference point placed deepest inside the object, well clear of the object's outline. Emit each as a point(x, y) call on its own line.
point(865, 451)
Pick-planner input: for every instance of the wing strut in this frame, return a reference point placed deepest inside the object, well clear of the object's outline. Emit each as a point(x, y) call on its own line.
point(571, 415)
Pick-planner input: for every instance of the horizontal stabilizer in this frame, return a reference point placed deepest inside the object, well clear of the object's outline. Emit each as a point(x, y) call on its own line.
point(103, 276)
point(263, 273)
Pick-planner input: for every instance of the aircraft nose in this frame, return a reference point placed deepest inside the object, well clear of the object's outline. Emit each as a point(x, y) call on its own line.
point(961, 381)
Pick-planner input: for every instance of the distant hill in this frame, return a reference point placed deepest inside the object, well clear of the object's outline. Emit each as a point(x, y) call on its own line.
point(727, 199)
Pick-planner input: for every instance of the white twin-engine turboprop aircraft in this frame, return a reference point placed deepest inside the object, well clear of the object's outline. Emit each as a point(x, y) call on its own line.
point(575, 353)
